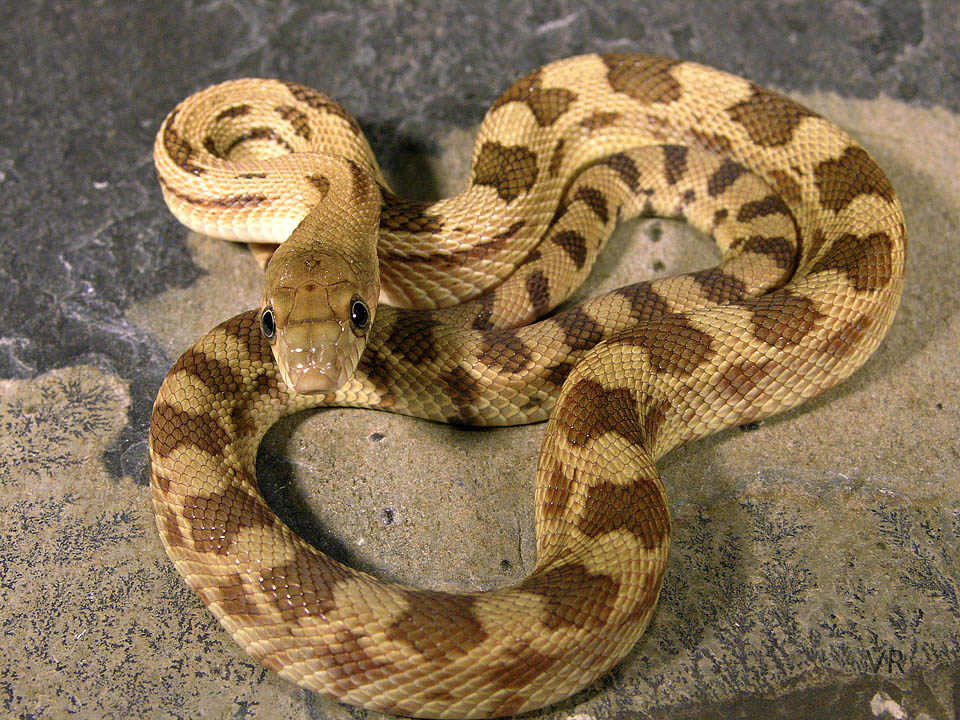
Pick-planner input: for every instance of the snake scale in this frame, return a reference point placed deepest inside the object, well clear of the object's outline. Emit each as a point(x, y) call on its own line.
point(813, 250)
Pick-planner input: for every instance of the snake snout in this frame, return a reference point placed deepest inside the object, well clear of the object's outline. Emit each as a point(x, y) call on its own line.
point(316, 357)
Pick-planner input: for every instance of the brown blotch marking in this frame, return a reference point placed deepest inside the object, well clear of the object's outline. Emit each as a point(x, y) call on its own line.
point(485, 312)
point(848, 338)
point(461, 258)
point(216, 520)
point(740, 379)
point(556, 158)
point(782, 319)
point(342, 656)
point(510, 231)
point(534, 255)
point(516, 667)
point(723, 177)
point(866, 261)
point(787, 187)
point(556, 493)
point(645, 302)
point(463, 391)
point(438, 694)
point(573, 244)
point(719, 144)
point(534, 402)
point(230, 594)
point(556, 373)
point(817, 241)
point(221, 377)
point(769, 205)
point(482, 249)
point(646, 79)
point(719, 216)
point(590, 410)
point(648, 599)
point(210, 145)
point(408, 215)
point(252, 175)
point(672, 344)
point(854, 173)
point(538, 290)
point(599, 120)
point(674, 163)
point(172, 427)
point(547, 104)
point(769, 118)
point(243, 200)
point(654, 415)
point(320, 182)
point(412, 338)
point(778, 249)
point(574, 596)
point(311, 582)
point(319, 101)
point(438, 636)
point(636, 507)
point(240, 417)
point(719, 287)
point(233, 112)
point(510, 170)
point(625, 167)
point(266, 385)
point(298, 120)
point(157, 475)
point(168, 526)
point(504, 351)
point(361, 180)
point(563, 204)
point(182, 153)
point(580, 331)
point(595, 200)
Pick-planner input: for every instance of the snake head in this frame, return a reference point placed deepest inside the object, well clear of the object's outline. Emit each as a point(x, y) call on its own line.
point(317, 308)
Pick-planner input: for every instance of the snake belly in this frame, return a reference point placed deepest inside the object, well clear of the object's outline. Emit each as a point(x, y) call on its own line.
point(813, 245)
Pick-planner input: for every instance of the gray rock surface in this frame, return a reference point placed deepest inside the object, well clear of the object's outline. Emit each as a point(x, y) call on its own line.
point(816, 556)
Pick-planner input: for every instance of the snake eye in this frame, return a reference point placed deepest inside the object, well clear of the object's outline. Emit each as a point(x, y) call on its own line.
point(359, 314)
point(268, 324)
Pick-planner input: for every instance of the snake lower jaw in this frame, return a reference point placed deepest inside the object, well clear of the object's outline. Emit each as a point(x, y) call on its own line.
point(312, 381)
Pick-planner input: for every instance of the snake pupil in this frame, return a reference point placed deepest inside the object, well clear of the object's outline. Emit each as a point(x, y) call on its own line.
point(359, 314)
point(268, 324)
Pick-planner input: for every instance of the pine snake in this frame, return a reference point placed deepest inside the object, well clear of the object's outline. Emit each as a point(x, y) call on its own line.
point(813, 246)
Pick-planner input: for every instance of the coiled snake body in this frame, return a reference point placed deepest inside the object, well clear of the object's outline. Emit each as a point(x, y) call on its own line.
point(813, 252)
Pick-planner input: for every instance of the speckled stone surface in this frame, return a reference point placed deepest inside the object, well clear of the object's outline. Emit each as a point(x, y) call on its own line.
point(815, 570)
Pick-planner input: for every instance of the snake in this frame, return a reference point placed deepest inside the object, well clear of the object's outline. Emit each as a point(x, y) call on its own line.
point(454, 311)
